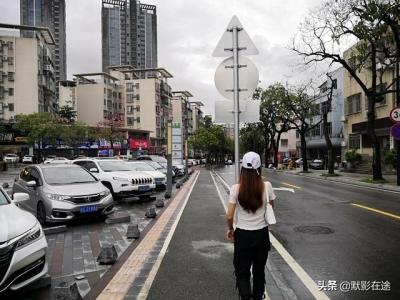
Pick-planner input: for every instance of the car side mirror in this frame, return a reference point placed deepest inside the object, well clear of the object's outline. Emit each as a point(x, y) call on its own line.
point(94, 170)
point(31, 183)
point(20, 197)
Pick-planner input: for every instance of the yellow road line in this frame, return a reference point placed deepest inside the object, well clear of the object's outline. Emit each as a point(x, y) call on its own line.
point(295, 186)
point(376, 210)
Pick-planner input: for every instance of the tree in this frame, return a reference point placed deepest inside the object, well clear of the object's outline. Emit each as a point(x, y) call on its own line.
point(111, 129)
point(301, 109)
point(273, 117)
point(67, 113)
point(251, 138)
point(372, 24)
point(40, 128)
point(212, 139)
point(75, 134)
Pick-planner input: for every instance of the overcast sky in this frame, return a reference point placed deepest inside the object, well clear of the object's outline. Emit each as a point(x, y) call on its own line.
point(188, 33)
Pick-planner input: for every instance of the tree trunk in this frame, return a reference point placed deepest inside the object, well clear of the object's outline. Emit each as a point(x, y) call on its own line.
point(376, 146)
point(331, 169)
point(304, 151)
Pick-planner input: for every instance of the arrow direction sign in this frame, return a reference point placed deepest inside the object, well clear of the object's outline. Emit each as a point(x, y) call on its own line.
point(225, 45)
point(283, 189)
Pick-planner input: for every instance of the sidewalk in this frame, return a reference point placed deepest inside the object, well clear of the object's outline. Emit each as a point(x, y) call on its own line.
point(185, 255)
point(348, 177)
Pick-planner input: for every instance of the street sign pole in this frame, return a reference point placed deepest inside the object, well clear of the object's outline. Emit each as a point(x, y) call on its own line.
point(229, 46)
point(236, 99)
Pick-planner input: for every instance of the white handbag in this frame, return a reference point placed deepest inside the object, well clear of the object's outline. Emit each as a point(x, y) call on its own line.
point(269, 214)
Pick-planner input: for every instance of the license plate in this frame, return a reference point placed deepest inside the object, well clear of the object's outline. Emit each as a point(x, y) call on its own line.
point(159, 183)
point(88, 209)
point(144, 188)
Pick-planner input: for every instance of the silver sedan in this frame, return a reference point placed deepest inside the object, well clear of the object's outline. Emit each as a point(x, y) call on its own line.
point(60, 193)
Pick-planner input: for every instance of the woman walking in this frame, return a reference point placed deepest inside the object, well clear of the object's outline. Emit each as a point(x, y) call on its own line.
point(251, 236)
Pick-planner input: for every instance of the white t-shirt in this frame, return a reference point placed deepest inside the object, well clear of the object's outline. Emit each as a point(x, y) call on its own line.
point(251, 221)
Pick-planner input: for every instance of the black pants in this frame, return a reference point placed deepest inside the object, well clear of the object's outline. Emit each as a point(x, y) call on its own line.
point(251, 249)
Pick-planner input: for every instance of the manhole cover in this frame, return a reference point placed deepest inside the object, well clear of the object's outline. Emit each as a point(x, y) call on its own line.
point(314, 229)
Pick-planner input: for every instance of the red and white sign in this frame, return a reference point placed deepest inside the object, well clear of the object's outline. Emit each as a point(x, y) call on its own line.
point(136, 144)
point(395, 115)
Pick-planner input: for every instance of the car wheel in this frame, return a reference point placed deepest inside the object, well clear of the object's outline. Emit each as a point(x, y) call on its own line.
point(41, 213)
point(108, 185)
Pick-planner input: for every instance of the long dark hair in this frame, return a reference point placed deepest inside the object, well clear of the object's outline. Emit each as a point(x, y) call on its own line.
point(251, 189)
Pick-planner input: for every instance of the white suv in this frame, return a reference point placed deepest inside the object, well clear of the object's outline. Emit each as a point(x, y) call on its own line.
point(11, 158)
point(119, 177)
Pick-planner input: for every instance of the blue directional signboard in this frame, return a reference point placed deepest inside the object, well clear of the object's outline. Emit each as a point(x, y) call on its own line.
point(395, 131)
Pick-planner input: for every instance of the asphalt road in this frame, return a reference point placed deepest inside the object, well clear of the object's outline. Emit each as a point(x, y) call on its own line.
point(331, 231)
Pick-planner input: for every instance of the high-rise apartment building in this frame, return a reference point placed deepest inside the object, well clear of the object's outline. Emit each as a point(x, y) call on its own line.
point(50, 14)
point(129, 34)
point(26, 71)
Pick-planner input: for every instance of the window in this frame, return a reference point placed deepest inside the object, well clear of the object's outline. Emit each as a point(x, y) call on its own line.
point(137, 107)
point(11, 106)
point(353, 104)
point(10, 76)
point(138, 120)
point(105, 102)
point(11, 60)
point(10, 45)
point(129, 109)
point(129, 121)
point(11, 91)
point(354, 142)
point(129, 87)
point(284, 143)
point(334, 84)
point(137, 97)
point(129, 98)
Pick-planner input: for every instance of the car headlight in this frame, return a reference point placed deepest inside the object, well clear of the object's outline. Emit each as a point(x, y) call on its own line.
point(105, 193)
point(120, 178)
point(32, 236)
point(58, 197)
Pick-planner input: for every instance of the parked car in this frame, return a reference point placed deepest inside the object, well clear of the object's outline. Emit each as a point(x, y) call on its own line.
point(155, 158)
point(228, 162)
point(27, 159)
point(317, 164)
point(77, 156)
point(299, 162)
point(178, 168)
point(160, 178)
point(162, 168)
point(24, 246)
point(11, 158)
point(57, 160)
point(118, 176)
point(50, 157)
point(60, 193)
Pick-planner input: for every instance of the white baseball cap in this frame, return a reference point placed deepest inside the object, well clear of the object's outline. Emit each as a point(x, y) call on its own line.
point(251, 160)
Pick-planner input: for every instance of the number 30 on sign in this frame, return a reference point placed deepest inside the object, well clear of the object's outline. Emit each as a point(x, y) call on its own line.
point(395, 114)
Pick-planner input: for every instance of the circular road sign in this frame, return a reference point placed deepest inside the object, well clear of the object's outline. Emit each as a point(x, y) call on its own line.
point(248, 78)
point(395, 131)
point(395, 115)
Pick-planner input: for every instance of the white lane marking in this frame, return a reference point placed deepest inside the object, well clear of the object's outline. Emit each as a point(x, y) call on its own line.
point(303, 276)
point(283, 189)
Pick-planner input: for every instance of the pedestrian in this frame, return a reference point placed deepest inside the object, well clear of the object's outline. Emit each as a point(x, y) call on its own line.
point(247, 200)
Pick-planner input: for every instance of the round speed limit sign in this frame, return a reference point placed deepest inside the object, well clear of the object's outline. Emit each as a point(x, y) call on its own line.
point(395, 114)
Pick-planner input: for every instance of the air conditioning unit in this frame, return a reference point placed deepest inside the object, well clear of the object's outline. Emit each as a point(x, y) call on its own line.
point(5, 104)
point(5, 58)
point(343, 119)
point(3, 42)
